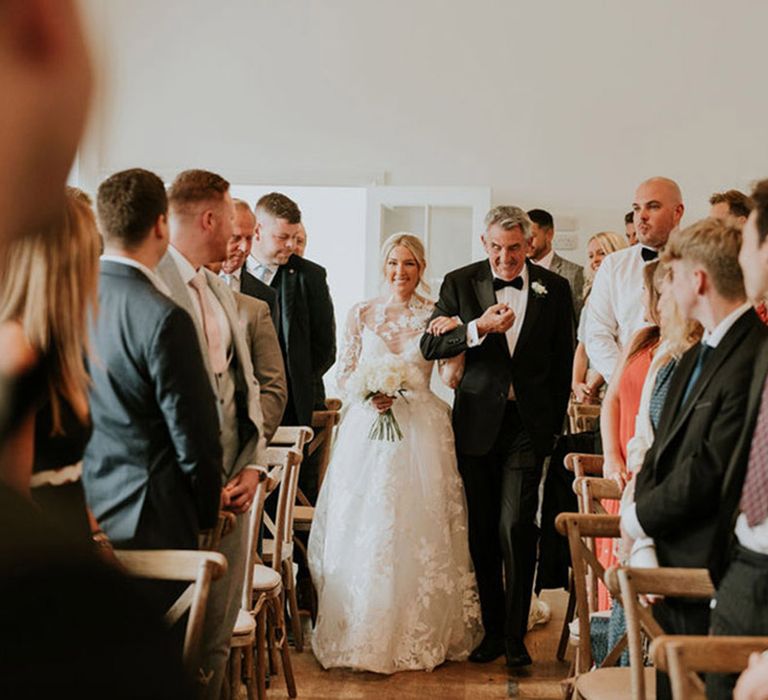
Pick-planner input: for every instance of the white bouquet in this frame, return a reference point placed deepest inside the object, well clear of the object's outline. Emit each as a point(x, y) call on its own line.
point(390, 376)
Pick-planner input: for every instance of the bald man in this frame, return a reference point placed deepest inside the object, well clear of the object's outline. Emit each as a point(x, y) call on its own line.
point(615, 310)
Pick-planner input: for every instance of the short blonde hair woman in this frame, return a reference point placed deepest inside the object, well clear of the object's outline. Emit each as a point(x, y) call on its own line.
point(46, 296)
point(586, 383)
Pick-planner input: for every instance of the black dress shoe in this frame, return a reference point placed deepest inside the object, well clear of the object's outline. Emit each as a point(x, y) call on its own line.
point(517, 655)
point(490, 648)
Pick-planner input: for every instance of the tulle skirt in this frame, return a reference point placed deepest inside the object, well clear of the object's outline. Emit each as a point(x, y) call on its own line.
point(388, 550)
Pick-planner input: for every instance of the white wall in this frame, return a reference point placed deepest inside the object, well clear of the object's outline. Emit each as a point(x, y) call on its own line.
point(563, 105)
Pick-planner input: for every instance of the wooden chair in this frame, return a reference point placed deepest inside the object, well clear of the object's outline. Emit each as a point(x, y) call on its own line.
point(241, 656)
point(664, 581)
point(198, 568)
point(281, 558)
point(583, 417)
point(580, 529)
point(590, 491)
point(265, 586)
point(584, 464)
point(682, 655)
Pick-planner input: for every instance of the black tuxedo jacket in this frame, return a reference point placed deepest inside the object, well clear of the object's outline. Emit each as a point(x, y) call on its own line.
point(152, 468)
point(678, 492)
point(307, 332)
point(254, 287)
point(737, 472)
point(540, 369)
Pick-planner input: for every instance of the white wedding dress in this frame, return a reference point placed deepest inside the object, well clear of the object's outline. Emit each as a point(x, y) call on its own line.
point(388, 548)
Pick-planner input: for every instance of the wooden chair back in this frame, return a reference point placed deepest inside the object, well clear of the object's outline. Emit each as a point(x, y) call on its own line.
point(582, 464)
point(663, 581)
point(580, 528)
point(583, 417)
point(292, 436)
point(682, 655)
point(591, 491)
point(324, 424)
point(267, 484)
point(287, 461)
point(198, 568)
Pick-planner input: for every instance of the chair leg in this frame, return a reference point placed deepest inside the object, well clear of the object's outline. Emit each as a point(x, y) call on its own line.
point(234, 673)
point(285, 653)
point(293, 605)
point(261, 653)
point(569, 613)
point(249, 671)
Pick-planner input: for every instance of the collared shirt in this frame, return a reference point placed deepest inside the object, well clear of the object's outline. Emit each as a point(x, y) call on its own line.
point(515, 299)
point(615, 308)
point(262, 271)
point(187, 272)
point(232, 279)
point(149, 273)
point(629, 519)
point(546, 261)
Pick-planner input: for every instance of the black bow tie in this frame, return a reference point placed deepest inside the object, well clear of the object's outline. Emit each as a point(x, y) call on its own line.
point(498, 284)
point(649, 254)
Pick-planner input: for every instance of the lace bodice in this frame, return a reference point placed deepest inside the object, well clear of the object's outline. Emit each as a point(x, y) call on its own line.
point(383, 325)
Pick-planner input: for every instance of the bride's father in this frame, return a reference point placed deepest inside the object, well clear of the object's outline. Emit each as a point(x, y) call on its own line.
point(517, 333)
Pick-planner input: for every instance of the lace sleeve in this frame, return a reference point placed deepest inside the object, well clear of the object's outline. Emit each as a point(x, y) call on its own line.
point(350, 353)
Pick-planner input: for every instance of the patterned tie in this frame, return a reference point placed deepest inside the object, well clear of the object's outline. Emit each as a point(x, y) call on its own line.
point(704, 352)
point(216, 352)
point(754, 495)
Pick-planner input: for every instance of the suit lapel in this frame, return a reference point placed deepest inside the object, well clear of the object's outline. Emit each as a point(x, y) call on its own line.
point(557, 264)
point(482, 283)
point(719, 355)
point(533, 305)
point(737, 468)
point(180, 293)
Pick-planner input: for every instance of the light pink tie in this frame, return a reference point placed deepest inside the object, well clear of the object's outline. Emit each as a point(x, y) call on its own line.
point(216, 351)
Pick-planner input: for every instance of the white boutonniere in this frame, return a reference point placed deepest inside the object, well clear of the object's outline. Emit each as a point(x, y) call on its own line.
point(539, 289)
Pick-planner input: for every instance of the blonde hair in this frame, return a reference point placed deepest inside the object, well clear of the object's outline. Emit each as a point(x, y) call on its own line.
point(49, 285)
point(609, 242)
point(715, 245)
point(677, 333)
point(415, 247)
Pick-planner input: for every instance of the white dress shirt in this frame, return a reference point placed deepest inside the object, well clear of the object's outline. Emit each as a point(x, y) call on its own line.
point(615, 308)
point(546, 261)
point(187, 272)
point(629, 520)
point(262, 271)
point(232, 279)
point(153, 277)
point(515, 299)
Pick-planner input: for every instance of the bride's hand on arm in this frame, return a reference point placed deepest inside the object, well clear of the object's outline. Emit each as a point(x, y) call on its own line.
point(382, 402)
point(441, 325)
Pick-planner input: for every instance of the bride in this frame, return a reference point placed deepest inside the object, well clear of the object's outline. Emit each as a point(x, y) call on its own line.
point(388, 548)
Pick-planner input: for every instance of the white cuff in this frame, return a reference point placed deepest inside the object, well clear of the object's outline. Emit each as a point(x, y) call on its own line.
point(473, 339)
point(631, 524)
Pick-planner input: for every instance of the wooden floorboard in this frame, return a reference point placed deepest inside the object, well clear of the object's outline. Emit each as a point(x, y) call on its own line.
point(450, 681)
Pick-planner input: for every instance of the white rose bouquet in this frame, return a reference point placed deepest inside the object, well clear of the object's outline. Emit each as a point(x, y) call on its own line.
point(390, 376)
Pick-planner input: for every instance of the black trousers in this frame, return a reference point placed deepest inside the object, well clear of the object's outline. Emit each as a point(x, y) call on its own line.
point(677, 616)
point(741, 609)
point(502, 498)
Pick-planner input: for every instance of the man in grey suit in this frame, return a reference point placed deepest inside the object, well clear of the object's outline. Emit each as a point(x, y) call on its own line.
point(152, 469)
point(542, 253)
point(267, 358)
point(201, 223)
